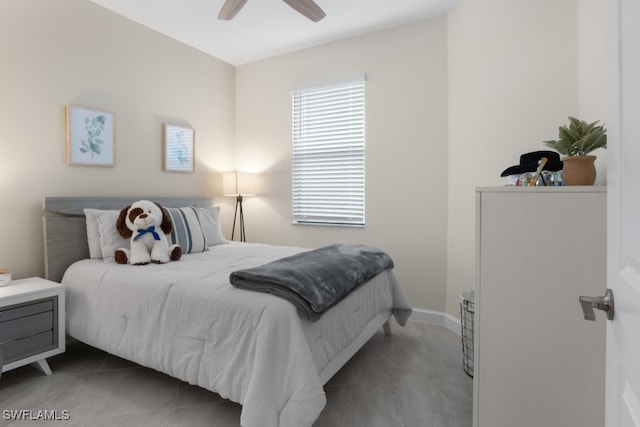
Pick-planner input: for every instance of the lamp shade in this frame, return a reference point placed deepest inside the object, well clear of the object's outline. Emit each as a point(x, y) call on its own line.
point(239, 184)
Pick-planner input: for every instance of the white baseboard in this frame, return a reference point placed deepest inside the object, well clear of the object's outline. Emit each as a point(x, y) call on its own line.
point(437, 318)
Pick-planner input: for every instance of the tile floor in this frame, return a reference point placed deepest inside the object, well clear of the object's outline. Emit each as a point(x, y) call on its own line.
point(412, 378)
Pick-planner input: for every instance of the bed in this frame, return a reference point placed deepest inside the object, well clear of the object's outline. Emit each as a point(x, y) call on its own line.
point(185, 319)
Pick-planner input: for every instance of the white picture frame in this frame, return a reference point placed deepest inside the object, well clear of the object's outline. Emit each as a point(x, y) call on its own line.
point(178, 148)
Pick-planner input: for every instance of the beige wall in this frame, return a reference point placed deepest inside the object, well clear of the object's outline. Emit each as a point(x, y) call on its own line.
point(73, 51)
point(451, 102)
point(591, 71)
point(406, 140)
point(516, 71)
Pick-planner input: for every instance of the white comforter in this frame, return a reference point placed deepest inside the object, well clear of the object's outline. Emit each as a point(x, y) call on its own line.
point(185, 319)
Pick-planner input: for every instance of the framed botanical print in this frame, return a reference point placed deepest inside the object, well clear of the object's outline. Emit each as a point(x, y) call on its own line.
point(90, 136)
point(178, 142)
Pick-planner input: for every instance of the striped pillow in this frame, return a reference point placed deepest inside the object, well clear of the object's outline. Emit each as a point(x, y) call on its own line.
point(187, 230)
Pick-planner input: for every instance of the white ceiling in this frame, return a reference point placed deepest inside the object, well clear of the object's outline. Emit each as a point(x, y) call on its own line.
point(265, 28)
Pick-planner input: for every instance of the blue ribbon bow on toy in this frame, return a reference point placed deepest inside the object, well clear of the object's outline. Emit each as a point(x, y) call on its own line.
point(151, 230)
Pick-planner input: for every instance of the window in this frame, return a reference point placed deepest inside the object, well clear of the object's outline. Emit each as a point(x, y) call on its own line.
point(328, 154)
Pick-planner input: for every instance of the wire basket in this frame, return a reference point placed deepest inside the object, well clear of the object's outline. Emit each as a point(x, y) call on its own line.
point(467, 311)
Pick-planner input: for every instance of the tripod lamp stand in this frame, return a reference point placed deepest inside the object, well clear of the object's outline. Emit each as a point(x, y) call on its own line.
point(239, 185)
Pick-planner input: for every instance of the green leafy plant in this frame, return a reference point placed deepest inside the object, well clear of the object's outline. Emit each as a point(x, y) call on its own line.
point(579, 138)
point(94, 128)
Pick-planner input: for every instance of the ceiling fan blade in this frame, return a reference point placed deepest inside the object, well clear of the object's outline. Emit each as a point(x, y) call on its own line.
point(308, 8)
point(230, 8)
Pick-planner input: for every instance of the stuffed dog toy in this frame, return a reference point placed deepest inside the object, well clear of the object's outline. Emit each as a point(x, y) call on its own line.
point(147, 225)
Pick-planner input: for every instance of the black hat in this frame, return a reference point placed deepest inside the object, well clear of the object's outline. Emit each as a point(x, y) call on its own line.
point(529, 163)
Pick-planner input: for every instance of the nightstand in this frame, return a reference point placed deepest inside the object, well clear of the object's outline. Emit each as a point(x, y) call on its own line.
point(32, 323)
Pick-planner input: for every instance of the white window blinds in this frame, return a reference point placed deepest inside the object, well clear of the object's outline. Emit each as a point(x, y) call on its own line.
point(328, 154)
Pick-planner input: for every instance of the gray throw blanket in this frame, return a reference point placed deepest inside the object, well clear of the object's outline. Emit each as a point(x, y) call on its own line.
point(315, 280)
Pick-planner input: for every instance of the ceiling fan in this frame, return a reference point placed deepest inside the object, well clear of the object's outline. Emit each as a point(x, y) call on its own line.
point(308, 8)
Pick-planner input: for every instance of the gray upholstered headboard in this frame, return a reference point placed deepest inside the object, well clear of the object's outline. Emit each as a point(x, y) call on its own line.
point(65, 230)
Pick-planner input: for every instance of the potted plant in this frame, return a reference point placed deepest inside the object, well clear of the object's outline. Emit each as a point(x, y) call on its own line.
point(575, 142)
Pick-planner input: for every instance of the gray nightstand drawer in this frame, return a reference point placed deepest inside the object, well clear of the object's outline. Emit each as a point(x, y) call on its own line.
point(26, 347)
point(26, 327)
point(23, 310)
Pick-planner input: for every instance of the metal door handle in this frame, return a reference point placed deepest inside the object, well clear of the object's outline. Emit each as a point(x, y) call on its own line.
point(604, 303)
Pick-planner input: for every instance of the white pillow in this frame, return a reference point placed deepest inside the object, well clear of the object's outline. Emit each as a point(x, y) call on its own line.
point(187, 229)
point(93, 233)
point(101, 221)
point(110, 239)
point(211, 225)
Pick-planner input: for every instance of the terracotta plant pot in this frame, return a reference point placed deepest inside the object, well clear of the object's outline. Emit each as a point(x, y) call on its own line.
point(579, 170)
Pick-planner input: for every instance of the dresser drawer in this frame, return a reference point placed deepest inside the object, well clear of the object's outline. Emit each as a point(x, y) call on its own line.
point(26, 309)
point(25, 327)
point(26, 347)
point(28, 328)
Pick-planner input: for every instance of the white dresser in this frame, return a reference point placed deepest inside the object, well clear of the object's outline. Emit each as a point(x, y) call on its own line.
point(537, 361)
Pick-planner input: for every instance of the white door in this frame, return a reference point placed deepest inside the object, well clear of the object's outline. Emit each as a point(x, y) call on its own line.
point(623, 264)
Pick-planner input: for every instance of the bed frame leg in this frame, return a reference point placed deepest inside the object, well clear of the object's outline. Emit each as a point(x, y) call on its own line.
point(387, 328)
